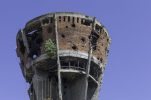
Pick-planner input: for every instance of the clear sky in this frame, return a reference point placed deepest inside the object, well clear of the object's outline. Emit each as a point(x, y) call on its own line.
point(128, 72)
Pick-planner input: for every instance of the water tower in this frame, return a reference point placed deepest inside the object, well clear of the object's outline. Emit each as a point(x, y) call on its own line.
point(63, 56)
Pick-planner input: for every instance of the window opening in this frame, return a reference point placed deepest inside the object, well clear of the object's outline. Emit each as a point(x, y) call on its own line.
point(68, 18)
point(64, 18)
point(59, 18)
point(63, 63)
point(77, 20)
point(73, 19)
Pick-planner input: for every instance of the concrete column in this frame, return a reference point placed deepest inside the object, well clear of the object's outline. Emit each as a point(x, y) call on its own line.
point(41, 86)
point(58, 59)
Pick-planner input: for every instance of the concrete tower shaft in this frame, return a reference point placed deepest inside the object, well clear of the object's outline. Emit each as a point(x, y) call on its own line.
point(63, 56)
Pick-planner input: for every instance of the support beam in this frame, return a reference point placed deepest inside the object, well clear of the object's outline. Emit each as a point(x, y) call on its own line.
point(25, 41)
point(96, 93)
point(89, 62)
point(58, 59)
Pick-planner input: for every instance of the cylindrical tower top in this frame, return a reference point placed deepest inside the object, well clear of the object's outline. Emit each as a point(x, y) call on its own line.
point(59, 42)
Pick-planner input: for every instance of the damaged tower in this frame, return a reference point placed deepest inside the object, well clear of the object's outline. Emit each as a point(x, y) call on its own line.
point(63, 56)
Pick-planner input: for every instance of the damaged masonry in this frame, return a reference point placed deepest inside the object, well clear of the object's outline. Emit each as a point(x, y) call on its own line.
point(63, 56)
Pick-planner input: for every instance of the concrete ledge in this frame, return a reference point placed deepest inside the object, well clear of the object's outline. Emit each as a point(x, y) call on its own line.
point(79, 54)
point(65, 53)
point(78, 72)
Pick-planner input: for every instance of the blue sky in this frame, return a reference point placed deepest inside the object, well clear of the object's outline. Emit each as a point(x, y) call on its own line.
point(128, 72)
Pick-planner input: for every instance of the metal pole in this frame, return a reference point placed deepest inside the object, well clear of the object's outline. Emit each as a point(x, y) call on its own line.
point(58, 59)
